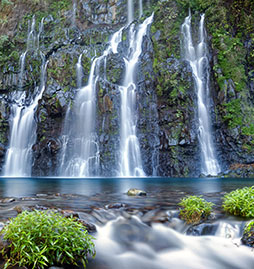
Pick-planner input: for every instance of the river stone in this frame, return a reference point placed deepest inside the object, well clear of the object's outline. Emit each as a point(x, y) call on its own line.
point(248, 237)
point(136, 192)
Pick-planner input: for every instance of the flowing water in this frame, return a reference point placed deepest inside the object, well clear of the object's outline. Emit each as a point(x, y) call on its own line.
point(79, 69)
point(197, 56)
point(18, 159)
point(80, 154)
point(141, 232)
point(74, 11)
point(130, 157)
point(140, 8)
point(130, 11)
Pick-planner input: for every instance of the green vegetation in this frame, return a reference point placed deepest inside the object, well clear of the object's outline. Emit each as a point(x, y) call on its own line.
point(195, 209)
point(249, 228)
point(40, 239)
point(240, 202)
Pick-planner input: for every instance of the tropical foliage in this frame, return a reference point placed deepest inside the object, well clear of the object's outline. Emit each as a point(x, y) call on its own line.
point(40, 239)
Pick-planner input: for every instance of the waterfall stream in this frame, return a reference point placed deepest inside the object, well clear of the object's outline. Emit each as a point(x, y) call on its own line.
point(130, 157)
point(18, 159)
point(140, 8)
point(130, 11)
point(197, 56)
point(80, 154)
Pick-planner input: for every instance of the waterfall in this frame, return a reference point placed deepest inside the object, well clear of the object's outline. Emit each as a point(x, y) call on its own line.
point(130, 11)
point(74, 11)
point(140, 8)
point(130, 157)
point(18, 158)
point(79, 69)
point(80, 154)
point(197, 56)
point(41, 28)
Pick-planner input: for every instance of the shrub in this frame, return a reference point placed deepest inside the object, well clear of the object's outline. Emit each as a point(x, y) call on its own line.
point(195, 209)
point(240, 202)
point(40, 239)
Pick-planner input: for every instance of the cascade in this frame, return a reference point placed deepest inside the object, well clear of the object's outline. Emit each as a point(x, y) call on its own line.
point(74, 11)
point(41, 28)
point(130, 157)
point(197, 56)
point(23, 130)
point(80, 153)
point(130, 11)
point(23, 126)
point(140, 8)
point(79, 69)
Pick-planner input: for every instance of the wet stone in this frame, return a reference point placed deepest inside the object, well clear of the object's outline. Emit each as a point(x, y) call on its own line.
point(136, 192)
point(115, 206)
point(69, 213)
point(8, 200)
point(41, 195)
point(248, 238)
point(40, 207)
point(89, 226)
point(19, 209)
point(202, 229)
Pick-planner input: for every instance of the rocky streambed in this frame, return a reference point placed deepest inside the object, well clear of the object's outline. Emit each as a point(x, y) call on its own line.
point(141, 231)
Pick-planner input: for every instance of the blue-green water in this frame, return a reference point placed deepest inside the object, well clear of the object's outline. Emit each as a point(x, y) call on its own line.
point(143, 232)
point(20, 187)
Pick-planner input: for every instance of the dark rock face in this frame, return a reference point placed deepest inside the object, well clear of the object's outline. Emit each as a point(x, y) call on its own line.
point(166, 100)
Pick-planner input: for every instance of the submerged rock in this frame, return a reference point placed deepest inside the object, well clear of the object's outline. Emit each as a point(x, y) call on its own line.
point(136, 192)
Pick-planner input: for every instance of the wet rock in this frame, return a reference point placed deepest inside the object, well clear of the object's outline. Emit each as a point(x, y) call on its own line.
point(89, 226)
point(19, 208)
point(248, 237)
point(202, 229)
point(136, 192)
point(39, 207)
point(3, 243)
point(115, 206)
point(2, 150)
point(69, 213)
point(41, 195)
point(8, 200)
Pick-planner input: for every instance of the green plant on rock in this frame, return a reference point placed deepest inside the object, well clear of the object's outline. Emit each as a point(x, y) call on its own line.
point(240, 202)
point(249, 227)
point(195, 209)
point(41, 239)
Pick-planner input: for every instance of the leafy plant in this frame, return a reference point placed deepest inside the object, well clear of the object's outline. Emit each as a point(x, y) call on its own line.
point(195, 208)
point(40, 239)
point(249, 226)
point(240, 202)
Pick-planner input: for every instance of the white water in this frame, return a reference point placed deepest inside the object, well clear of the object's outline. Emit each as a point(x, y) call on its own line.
point(18, 157)
point(79, 69)
point(74, 11)
point(41, 29)
point(140, 8)
point(80, 154)
point(130, 243)
point(18, 160)
point(197, 56)
point(130, 11)
point(130, 157)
